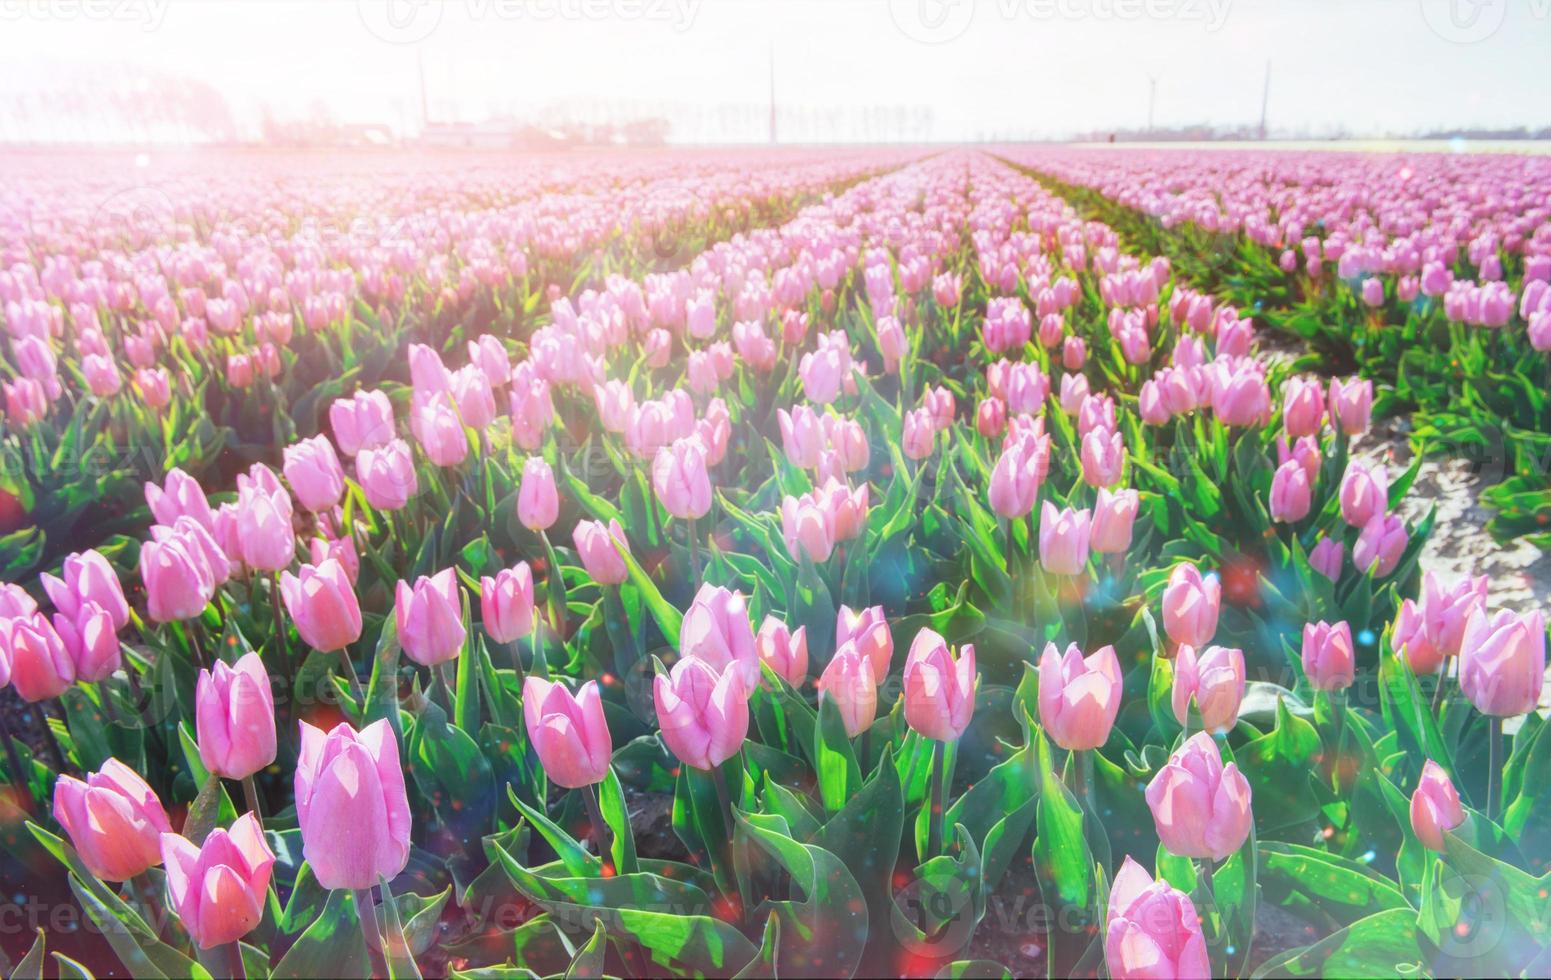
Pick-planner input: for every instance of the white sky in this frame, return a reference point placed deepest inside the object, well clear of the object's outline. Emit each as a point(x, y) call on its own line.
point(1018, 67)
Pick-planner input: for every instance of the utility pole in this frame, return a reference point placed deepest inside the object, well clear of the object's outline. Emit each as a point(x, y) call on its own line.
point(1265, 99)
point(425, 100)
point(773, 138)
point(1152, 100)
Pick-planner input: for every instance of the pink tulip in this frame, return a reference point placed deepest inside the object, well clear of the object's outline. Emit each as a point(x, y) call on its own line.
point(538, 502)
point(265, 532)
point(868, 629)
point(91, 641)
point(313, 470)
point(437, 427)
point(568, 732)
point(1446, 610)
point(919, 434)
point(114, 820)
point(102, 375)
point(1018, 473)
point(680, 478)
point(1502, 662)
point(14, 601)
point(362, 421)
point(614, 401)
point(1215, 679)
point(1303, 407)
point(848, 680)
point(1329, 657)
point(703, 716)
point(783, 649)
point(1200, 808)
point(601, 548)
point(1291, 495)
point(1351, 405)
point(807, 527)
point(990, 417)
point(155, 387)
point(802, 436)
point(1114, 515)
point(1103, 455)
point(341, 549)
point(1435, 807)
point(1190, 605)
point(430, 618)
point(1078, 697)
point(323, 605)
point(387, 475)
point(234, 718)
point(87, 578)
point(489, 354)
point(351, 805)
point(179, 496)
point(1074, 391)
point(1409, 637)
point(40, 664)
point(716, 629)
point(1063, 539)
point(426, 371)
point(1364, 493)
point(1153, 930)
point(178, 580)
point(219, 888)
point(1327, 557)
point(1380, 545)
point(939, 688)
point(471, 392)
point(506, 603)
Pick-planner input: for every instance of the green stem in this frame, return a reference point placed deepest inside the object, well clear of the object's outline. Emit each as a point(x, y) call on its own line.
point(366, 911)
point(350, 675)
point(250, 793)
point(723, 797)
point(234, 960)
point(934, 817)
point(1494, 767)
point(598, 830)
point(694, 554)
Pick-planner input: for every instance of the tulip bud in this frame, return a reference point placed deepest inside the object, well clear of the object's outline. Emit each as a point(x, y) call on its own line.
point(40, 664)
point(430, 618)
point(1078, 697)
point(1502, 662)
point(1329, 658)
point(703, 716)
point(538, 502)
point(680, 478)
point(351, 805)
point(313, 470)
point(601, 548)
point(1215, 679)
point(1364, 494)
point(1190, 605)
point(91, 642)
point(1435, 807)
point(1063, 539)
point(88, 578)
point(219, 888)
point(506, 603)
point(1380, 545)
point(235, 718)
point(387, 474)
point(1200, 808)
point(323, 605)
point(1153, 930)
point(1114, 515)
point(179, 496)
point(1291, 495)
point(716, 629)
point(114, 820)
point(1327, 558)
point(849, 681)
point(1409, 637)
point(939, 688)
point(1446, 610)
point(868, 629)
point(178, 582)
point(568, 732)
point(783, 649)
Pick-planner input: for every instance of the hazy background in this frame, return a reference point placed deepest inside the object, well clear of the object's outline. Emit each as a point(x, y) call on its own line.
point(487, 71)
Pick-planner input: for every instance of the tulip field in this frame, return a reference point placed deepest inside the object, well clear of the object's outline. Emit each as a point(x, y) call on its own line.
point(768, 563)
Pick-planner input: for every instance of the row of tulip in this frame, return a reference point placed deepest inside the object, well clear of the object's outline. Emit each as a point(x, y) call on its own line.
point(1235, 647)
point(1429, 274)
